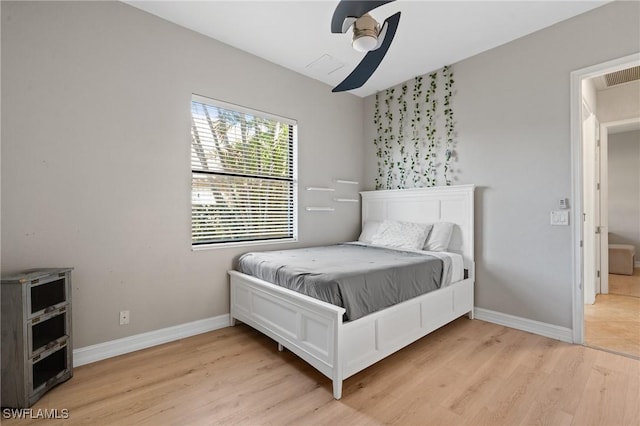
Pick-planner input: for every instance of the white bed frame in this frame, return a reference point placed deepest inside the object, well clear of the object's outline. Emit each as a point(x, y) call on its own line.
point(313, 329)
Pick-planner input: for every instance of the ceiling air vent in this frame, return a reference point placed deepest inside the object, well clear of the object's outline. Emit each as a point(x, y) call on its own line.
point(622, 76)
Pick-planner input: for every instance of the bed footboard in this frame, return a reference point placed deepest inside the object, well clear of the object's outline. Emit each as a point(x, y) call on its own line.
point(314, 330)
point(306, 326)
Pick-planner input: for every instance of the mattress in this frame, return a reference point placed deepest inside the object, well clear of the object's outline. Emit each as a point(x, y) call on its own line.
point(360, 278)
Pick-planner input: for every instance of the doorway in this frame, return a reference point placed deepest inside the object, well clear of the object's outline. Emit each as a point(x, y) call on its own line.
point(620, 200)
point(612, 319)
point(589, 220)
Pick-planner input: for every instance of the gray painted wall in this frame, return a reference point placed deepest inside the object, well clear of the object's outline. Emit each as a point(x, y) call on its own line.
point(513, 126)
point(624, 189)
point(96, 157)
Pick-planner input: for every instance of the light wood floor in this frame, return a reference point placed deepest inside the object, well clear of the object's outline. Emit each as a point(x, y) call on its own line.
point(626, 285)
point(468, 373)
point(613, 323)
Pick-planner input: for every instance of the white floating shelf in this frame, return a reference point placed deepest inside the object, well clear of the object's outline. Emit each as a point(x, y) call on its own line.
point(320, 209)
point(348, 182)
point(346, 200)
point(319, 188)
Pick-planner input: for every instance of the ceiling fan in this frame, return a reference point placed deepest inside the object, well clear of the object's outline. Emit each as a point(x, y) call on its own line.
point(368, 36)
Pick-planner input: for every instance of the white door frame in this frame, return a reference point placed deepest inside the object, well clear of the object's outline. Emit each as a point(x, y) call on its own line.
point(604, 208)
point(590, 173)
point(577, 184)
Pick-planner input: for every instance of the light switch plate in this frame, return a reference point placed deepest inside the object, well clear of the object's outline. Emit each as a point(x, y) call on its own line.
point(560, 218)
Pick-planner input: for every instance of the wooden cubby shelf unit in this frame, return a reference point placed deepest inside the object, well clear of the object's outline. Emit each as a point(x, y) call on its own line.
point(37, 350)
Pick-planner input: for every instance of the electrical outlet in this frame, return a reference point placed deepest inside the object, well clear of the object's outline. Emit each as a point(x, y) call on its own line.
point(124, 317)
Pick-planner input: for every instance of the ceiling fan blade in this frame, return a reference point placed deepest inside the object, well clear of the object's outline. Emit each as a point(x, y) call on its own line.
point(372, 60)
point(352, 9)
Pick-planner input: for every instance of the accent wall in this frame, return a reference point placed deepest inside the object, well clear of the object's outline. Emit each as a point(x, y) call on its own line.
point(513, 141)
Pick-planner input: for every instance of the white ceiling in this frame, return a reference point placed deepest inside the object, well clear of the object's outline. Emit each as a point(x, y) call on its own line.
point(431, 34)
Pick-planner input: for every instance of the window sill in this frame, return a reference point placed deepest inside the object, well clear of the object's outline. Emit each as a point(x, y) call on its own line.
point(214, 246)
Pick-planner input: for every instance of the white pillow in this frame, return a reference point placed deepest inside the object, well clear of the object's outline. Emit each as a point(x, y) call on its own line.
point(439, 237)
point(406, 235)
point(368, 231)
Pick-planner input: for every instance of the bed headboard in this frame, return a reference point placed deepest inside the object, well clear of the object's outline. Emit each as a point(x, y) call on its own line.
point(427, 205)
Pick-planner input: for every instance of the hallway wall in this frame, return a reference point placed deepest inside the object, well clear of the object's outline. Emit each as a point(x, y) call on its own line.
point(624, 189)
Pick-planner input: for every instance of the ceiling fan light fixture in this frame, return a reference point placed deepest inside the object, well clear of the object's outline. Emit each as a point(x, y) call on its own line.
point(364, 43)
point(365, 33)
point(368, 36)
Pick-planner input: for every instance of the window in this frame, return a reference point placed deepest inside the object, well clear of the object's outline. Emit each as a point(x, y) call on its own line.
point(243, 177)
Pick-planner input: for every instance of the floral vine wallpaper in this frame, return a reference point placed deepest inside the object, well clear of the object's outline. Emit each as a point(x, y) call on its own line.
point(415, 132)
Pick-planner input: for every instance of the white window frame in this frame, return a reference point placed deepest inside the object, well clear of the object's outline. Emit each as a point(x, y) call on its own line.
point(265, 115)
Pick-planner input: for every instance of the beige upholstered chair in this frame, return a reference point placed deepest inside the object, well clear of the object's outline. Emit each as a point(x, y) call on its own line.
point(621, 259)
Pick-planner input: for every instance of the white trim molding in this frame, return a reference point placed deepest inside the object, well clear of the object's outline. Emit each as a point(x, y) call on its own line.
point(536, 327)
point(100, 351)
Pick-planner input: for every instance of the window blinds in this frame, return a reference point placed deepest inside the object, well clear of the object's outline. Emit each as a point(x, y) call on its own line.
point(242, 165)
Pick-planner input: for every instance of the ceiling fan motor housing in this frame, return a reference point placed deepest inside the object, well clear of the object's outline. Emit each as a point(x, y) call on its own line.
point(365, 33)
point(366, 25)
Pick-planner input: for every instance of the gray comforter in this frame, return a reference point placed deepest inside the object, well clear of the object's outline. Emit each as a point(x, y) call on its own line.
point(361, 279)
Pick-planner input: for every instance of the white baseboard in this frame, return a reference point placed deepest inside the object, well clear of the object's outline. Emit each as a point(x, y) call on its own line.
point(100, 351)
point(93, 353)
point(548, 330)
